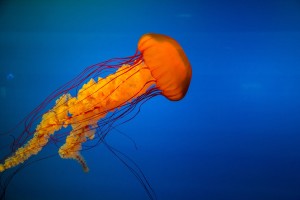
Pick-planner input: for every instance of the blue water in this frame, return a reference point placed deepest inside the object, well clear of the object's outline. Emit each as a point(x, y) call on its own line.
point(234, 136)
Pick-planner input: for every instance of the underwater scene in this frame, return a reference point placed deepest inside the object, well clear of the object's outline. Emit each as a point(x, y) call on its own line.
point(159, 100)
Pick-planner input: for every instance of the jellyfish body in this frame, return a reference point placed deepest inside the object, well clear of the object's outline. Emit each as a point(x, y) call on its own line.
point(161, 68)
point(168, 64)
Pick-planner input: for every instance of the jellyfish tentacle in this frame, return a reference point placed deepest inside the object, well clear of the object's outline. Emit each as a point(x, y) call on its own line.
point(94, 100)
point(50, 123)
point(93, 103)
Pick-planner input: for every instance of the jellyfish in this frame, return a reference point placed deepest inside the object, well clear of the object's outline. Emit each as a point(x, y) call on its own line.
point(159, 67)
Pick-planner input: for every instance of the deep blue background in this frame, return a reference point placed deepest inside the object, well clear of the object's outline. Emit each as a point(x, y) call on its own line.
point(234, 136)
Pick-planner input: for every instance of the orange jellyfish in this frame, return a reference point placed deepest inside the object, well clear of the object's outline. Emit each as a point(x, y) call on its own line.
point(159, 67)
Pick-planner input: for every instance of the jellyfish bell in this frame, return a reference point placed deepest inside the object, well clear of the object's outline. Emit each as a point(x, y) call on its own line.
point(161, 68)
point(168, 64)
